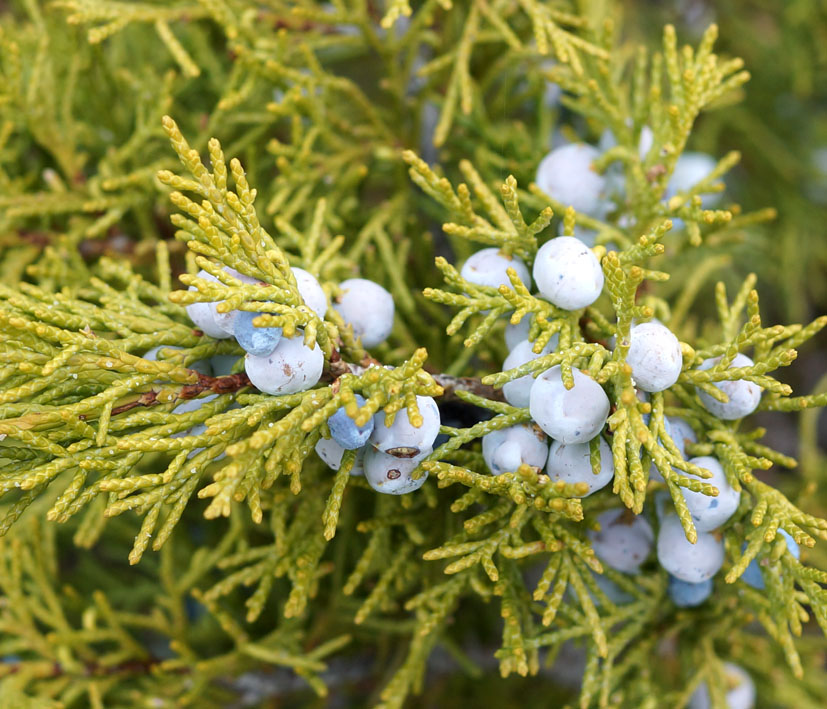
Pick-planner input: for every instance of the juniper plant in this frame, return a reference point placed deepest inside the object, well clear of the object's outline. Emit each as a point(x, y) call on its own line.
point(170, 536)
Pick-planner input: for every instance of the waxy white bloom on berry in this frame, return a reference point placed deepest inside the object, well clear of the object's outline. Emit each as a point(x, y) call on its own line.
point(203, 314)
point(488, 268)
point(740, 690)
point(310, 290)
point(624, 541)
point(506, 449)
point(654, 356)
point(572, 464)
point(517, 391)
point(689, 562)
point(708, 512)
point(291, 367)
point(567, 273)
point(566, 174)
point(402, 438)
point(368, 308)
point(690, 169)
point(515, 334)
point(391, 475)
point(226, 321)
point(331, 453)
point(573, 415)
point(744, 395)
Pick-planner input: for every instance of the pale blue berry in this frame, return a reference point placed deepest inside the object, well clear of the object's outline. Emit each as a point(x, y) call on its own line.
point(258, 341)
point(740, 691)
point(753, 577)
point(344, 430)
point(624, 541)
point(688, 595)
point(689, 562)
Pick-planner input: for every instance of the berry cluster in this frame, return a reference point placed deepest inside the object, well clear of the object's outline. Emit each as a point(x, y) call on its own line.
point(388, 449)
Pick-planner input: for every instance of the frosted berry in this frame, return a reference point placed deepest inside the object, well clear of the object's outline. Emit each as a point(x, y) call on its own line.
point(708, 512)
point(567, 273)
point(368, 308)
point(517, 391)
point(258, 341)
point(226, 321)
point(344, 430)
point(402, 438)
point(506, 449)
point(573, 415)
point(391, 475)
point(624, 541)
point(572, 464)
point(290, 368)
point(740, 691)
point(688, 595)
point(680, 432)
point(654, 356)
point(566, 174)
point(310, 291)
point(752, 575)
point(743, 394)
point(488, 268)
point(203, 314)
point(515, 334)
point(331, 453)
point(689, 562)
point(690, 169)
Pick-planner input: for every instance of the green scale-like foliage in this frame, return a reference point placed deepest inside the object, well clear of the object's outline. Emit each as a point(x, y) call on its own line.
point(153, 557)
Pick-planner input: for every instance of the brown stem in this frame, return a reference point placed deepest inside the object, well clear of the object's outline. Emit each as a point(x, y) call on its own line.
point(217, 385)
point(451, 385)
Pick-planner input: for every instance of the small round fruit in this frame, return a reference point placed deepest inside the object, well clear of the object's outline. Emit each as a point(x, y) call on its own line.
point(517, 391)
point(391, 475)
point(690, 169)
point(689, 562)
point(203, 314)
point(344, 430)
point(654, 356)
point(624, 541)
point(291, 367)
point(572, 464)
point(402, 438)
point(515, 334)
point(743, 394)
point(753, 576)
point(689, 595)
point(708, 512)
point(740, 691)
point(505, 449)
point(258, 341)
point(680, 432)
point(567, 273)
point(368, 308)
point(331, 453)
point(311, 291)
point(573, 415)
point(226, 321)
point(566, 174)
point(488, 268)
